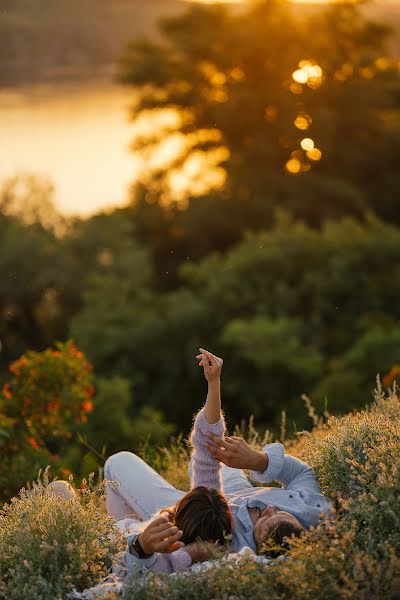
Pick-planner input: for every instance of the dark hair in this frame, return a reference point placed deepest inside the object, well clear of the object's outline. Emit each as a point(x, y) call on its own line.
point(277, 541)
point(204, 514)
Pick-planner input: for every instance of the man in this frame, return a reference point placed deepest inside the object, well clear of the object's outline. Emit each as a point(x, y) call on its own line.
point(267, 513)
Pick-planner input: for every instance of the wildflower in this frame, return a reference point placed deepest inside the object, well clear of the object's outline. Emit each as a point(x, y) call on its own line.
point(87, 406)
point(390, 377)
point(6, 391)
point(32, 442)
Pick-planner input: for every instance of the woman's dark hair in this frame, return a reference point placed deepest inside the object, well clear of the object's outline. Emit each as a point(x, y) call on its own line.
point(204, 514)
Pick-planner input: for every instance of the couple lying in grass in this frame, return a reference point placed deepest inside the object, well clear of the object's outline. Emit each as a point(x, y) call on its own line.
point(169, 530)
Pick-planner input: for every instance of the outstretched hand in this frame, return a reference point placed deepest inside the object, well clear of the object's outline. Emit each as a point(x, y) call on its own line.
point(235, 452)
point(211, 364)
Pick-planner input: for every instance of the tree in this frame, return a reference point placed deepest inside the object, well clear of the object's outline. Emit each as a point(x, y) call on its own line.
point(301, 113)
point(288, 308)
point(30, 199)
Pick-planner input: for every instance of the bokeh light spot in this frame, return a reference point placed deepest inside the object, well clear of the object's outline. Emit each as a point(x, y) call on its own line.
point(308, 73)
point(367, 73)
point(296, 88)
point(382, 63)
point(293, 166)
point(303, 121)
point(314, 154)
point(237, 74)
point(307, 144)
point(300, 76)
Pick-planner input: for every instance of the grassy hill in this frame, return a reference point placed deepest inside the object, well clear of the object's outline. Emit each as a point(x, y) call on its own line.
point(49, 545)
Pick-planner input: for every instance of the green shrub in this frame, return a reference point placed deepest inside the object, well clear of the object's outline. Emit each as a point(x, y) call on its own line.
point(341, 452)
point(50, 545)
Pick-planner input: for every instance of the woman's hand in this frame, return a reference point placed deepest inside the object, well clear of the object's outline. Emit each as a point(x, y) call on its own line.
point(235, 452)
point(211, 364)
point(160, 536)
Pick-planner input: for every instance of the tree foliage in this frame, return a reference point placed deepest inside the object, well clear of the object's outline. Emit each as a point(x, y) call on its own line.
point(230, 101)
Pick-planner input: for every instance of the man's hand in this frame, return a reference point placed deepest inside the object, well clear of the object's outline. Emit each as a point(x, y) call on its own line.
point(201, 551)
point(211, 364)
point(160, 536)
point(235, 452)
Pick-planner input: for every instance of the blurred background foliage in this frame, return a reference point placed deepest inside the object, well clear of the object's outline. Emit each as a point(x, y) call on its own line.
point(272, 236)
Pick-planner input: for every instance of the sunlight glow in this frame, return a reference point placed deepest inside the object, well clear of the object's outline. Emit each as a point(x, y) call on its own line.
point(200, 173)
point(185, 167)
point(244, 1)
point(216, 1)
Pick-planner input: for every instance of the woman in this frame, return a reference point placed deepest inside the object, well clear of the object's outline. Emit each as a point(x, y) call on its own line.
point(169, 541)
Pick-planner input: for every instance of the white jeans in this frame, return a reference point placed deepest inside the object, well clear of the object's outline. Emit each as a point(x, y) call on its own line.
point(142, 492)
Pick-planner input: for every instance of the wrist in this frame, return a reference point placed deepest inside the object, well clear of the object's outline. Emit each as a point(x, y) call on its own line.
point(214, 383)
point(260, 462)
point(145, 547)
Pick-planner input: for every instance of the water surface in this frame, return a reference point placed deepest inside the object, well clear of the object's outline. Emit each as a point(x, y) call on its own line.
point(77, 134)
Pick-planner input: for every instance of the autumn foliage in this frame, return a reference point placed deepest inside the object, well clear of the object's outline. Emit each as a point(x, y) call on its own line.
point(48, 396)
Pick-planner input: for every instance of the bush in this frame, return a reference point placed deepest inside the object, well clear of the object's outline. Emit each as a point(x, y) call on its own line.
point(46, 400)
point(50, 545)
point(341, 453)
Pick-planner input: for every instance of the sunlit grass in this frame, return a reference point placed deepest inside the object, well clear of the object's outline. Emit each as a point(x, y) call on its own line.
point(48, 545)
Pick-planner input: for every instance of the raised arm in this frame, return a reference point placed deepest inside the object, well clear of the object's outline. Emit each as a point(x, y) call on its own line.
point(291, 472)
point(204, 470)
point(270, 464)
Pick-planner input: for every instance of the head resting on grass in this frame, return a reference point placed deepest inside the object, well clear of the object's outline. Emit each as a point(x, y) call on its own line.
point(272, 530)
point(203, 514)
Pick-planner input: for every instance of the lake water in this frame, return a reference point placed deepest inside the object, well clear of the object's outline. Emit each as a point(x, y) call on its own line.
point(77, 134)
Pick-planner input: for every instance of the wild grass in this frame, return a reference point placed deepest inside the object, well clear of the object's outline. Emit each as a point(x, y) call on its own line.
point(49, 545)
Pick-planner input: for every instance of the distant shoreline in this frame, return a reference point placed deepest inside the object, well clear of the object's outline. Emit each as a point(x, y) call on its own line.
point(75, 45)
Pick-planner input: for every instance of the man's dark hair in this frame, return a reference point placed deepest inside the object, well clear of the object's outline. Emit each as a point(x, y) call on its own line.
point(278, 541)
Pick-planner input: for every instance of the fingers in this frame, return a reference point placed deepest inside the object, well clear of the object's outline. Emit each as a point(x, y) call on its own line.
point(174, 547)
point(204, 362)
point(166, 544)
point(163, 527)
point(218, 442)
point(221, 456)
point(158, 521)
point(215, 360)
